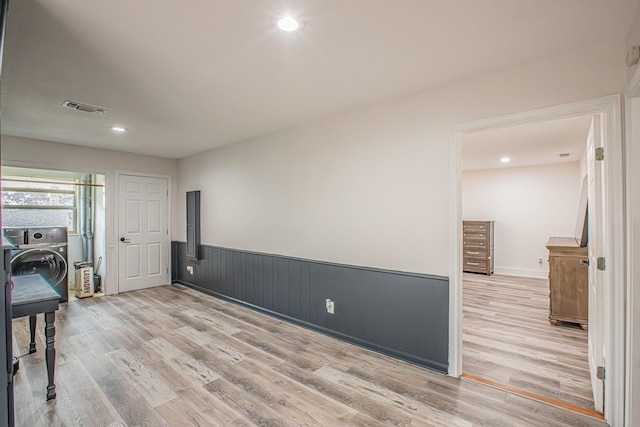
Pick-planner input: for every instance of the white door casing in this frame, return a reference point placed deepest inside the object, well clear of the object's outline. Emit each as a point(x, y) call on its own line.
point(632, 145)
point(143, 246)
point(596, 350)
point(615, 305)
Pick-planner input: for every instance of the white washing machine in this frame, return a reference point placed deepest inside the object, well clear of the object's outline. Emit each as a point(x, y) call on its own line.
point(41, 250)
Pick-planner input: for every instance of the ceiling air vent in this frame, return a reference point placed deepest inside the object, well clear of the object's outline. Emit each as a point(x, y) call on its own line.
point(564, 154)
point(84, 107)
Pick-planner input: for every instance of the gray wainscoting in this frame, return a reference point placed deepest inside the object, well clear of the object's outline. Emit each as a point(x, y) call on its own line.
point(404, 315)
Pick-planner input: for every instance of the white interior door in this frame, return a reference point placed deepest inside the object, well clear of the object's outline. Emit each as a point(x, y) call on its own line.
point(143, 253)
point(596, 277)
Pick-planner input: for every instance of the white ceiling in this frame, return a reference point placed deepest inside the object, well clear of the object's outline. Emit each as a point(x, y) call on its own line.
point(529, 144)
point(188, 76)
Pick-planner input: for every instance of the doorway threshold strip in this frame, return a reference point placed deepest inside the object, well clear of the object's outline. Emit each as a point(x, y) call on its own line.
point(539, 398)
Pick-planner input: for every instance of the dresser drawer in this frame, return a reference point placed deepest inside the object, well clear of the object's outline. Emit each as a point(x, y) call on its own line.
point(474, 243)
point(475, 235)
point(475, 226)
point(471, 252)
point(475, 265)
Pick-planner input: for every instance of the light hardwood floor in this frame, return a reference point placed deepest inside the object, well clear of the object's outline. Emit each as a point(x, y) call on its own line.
point(507, 338)
point(173, 356)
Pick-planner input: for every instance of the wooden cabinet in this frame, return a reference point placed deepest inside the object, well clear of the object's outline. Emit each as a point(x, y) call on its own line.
point(477, 247)
point(568, 281)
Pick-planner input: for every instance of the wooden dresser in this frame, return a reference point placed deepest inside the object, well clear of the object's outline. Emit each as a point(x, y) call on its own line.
point(568, 281)
point(477, 247)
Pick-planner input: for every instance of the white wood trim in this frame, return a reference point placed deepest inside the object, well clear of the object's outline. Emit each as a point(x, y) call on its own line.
point(115, 224)
point(614, 252)
point(632, 196)
point(521, 272)
point(629, 371)
point(455, 266)
point(633, 87)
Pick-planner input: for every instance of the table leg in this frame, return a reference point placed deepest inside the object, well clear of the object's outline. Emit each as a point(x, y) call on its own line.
point(32, 330)
point(50, 354)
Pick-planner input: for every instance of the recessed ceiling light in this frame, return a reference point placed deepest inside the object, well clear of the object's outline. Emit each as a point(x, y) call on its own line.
point(288, 23)
point(505, 159)
point(119, 129)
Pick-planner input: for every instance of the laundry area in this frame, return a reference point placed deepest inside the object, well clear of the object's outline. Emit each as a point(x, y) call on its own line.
point(55, 220)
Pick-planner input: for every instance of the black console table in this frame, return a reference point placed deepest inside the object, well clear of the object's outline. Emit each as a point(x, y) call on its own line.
point(32, 295)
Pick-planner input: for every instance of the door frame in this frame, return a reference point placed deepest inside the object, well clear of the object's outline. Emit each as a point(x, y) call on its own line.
point(632, 164)
point(613, 250)
point(116, 219)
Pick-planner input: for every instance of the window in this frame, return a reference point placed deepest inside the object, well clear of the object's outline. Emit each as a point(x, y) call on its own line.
point(28, 202)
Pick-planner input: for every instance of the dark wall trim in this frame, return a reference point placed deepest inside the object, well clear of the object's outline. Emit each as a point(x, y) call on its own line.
point(405, 315)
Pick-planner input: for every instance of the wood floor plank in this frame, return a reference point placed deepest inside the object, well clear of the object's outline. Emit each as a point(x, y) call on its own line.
point(507, 338)
point(217, 413)
point(98, 410)
point(191, 369)
point(176, 413)
point(448, 398)
point(173, 356)
point(368, 405)
point(222, 348)
point(132, 407)
point(299, 402)
point(435, 416)
point(249, 406)
point(148, 384)
point(215, 322)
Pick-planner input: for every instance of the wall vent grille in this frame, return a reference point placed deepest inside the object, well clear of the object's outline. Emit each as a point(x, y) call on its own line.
point(87, 108)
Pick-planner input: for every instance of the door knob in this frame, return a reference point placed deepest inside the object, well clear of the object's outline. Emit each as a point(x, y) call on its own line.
point(124, 240)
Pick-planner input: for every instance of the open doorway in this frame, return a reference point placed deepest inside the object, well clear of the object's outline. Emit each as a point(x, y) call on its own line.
point(526, 182)
point(56, 222)
point(608, 109)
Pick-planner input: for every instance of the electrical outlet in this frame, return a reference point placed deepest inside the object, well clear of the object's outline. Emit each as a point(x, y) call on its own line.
point(540, 261)
point(190, 269)
point(330, 306)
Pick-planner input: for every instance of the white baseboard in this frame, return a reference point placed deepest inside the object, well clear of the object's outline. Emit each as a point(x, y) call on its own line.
point(521, 272)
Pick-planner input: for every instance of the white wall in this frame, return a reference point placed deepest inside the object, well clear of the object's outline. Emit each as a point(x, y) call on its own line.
point(528, 205)
point(370, 186)
point(633, 39)
point(49, 155)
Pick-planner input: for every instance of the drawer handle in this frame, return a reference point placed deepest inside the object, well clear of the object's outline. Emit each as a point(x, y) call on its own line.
point(473, 263)
point(584, 261)
point(473, 253)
